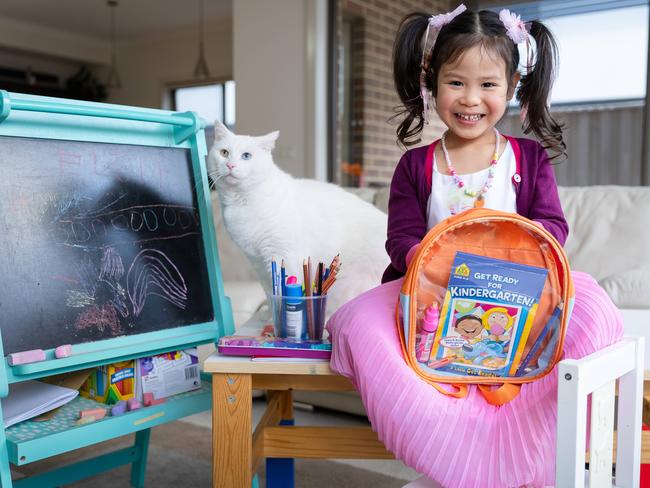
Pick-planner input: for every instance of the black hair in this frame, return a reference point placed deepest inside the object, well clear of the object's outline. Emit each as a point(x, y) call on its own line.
point(470, 29)
point(468, 317)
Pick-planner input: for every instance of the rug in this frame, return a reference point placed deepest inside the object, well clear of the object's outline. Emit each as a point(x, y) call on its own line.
point(180, 456)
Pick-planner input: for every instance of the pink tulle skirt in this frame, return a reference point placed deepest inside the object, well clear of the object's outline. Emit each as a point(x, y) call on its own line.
point(461, 442)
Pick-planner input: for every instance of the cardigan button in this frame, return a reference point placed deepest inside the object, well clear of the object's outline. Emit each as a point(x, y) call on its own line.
point(517, 178)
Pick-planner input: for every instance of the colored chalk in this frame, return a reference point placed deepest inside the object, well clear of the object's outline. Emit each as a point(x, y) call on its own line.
point(86, 420)
point(133, 404)
point(119, 408)
point(98, 413)
point(26, 357)
point(149, 400)
point(63, 351)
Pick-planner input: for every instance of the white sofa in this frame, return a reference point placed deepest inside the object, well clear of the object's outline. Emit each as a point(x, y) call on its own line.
point(609, 238)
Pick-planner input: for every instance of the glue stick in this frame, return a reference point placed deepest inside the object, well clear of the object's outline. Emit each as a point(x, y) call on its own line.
point(293, 312)
point(424, 340)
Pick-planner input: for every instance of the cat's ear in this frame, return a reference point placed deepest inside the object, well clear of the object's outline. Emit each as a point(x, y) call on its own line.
point(267, 142)
point(220, 131)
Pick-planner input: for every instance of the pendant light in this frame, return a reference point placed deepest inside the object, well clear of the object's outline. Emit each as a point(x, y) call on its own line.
point(201, 70)
point(113, 78)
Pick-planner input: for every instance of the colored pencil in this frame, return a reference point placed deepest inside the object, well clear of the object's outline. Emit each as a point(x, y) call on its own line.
point(274, 277)
point(319, 283)
point(308, 293)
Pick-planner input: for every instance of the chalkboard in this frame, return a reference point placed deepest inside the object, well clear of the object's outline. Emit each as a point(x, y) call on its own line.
point(97, 241)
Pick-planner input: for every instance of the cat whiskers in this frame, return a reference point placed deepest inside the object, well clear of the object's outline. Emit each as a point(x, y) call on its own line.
point(213, 178)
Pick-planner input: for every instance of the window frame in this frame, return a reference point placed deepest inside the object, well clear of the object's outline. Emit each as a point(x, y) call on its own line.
point(173, 87)
point(556, 8)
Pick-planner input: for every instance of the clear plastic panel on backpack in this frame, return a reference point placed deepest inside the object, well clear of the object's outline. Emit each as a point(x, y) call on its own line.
point(487, 303)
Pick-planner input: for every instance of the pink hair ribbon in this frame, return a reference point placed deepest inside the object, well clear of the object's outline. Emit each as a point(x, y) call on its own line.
point(436, 22)
point(517, 30)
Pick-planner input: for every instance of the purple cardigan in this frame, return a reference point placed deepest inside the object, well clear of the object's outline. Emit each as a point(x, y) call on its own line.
point(410, 188)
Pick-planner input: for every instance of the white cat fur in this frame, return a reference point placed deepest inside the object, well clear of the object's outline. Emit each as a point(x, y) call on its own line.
point(268, 213)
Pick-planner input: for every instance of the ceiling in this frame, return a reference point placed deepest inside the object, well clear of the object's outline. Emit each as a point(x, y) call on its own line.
point(133, 18)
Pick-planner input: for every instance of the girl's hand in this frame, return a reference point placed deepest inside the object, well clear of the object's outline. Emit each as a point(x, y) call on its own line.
point(538, 224)
point(411, 253)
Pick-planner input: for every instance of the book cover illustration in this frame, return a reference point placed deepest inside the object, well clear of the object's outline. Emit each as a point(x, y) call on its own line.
point(486, 316)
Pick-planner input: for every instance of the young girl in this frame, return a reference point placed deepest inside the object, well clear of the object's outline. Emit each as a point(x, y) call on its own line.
point(471, 73)
point(466, 64)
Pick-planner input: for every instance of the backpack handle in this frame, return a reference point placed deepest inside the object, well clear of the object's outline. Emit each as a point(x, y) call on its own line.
point(501, 395)
point(460, 391)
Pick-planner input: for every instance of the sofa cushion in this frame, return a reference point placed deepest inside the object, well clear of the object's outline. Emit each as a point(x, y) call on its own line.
point(609, 233)
point(629, 289)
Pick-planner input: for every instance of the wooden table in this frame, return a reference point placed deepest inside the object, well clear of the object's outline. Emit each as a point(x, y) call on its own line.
point(237, 455)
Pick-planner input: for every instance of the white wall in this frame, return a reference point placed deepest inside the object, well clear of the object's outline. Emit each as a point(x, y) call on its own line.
point(147, 67)
point(277, 65)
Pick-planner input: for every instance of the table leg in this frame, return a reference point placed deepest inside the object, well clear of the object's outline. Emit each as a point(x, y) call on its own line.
point(231, 430)
point(280, 472)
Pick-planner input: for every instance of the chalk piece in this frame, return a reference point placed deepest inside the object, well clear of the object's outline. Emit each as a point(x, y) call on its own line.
point(63, 351)
point(119, 408)
point(147, 399)
point(86, 420)
point(133, 404)
point(26, 357)
point(98, 413)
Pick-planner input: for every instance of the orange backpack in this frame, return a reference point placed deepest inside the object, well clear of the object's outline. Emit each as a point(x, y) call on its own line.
point(485, 300)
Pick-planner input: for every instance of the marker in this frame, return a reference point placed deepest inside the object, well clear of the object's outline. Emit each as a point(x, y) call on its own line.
point(440, 362)
point(26, 357)
point(63, 351)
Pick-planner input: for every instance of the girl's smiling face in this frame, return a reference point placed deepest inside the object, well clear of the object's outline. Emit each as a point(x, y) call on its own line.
point(473, 92)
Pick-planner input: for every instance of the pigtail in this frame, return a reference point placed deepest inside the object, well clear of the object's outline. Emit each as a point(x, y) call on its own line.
point(407, 56)
point(535, 89)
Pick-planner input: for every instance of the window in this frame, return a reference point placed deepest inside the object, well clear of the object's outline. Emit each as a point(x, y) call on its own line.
point(599, 94)
point(214, 101)
point(603, 55)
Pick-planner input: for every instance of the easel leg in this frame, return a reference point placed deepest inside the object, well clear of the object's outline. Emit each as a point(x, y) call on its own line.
point(139, 468)
point(232, 418)
point(280, 472)
point(5, 471)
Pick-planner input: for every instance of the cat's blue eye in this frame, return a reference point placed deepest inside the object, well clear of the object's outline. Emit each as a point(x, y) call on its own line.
point(246, 155)
point(224, 153)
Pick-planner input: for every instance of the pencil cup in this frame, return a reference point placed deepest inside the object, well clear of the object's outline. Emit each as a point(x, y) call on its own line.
point(298, 317)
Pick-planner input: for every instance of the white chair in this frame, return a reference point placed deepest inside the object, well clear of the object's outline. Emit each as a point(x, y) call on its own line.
point(596, 375)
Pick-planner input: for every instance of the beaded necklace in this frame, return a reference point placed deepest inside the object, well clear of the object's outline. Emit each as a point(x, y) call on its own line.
point(476, 194)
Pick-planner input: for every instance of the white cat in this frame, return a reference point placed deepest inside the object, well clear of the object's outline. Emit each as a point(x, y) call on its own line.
point(268, 213)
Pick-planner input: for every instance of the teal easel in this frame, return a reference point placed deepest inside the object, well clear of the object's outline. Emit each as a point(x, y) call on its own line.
point(50, 119)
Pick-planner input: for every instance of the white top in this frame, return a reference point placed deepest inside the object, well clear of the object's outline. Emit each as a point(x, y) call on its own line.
point(447, 199)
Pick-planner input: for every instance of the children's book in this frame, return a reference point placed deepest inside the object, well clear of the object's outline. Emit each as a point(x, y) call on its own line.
point(274, 346)
point(489, 308)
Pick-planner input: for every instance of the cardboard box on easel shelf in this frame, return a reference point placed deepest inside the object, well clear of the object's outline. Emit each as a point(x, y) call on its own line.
point(168, 374)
